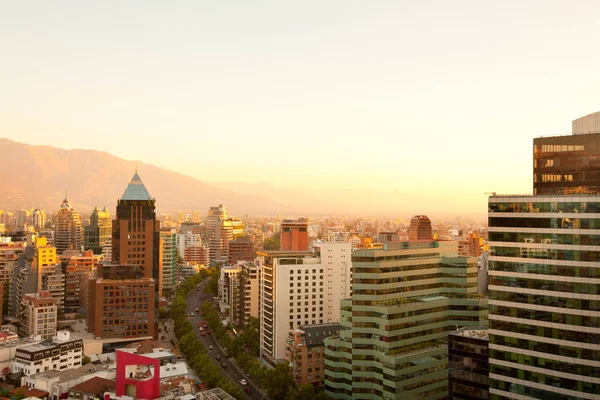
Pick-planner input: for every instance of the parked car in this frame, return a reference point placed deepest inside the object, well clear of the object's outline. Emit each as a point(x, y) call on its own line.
point(211, 347)
point(243, 382)
point(218, 358)
point(223, 365)
point(248, 390)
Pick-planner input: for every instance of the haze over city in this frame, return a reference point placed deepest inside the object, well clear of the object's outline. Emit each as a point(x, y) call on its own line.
point(417, 103)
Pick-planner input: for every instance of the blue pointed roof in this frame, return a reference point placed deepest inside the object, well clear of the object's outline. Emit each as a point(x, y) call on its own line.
point(136, 190)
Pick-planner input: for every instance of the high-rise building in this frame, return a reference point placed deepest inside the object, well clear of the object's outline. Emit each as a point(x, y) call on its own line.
point(564, 163)
point(195, 216)
point(301, 288)
point(38, 219)
point(22, 218)
point(406, 298)
point(470, 245)
point(187, 239)
point(68, 231)
point(99, 232)
point(420, 228)
point(121, 302)
point(39, 315)
point(136, 232)
point(544, 289)
point(78, 266)
point(9, 256)
point(197, 254)
point(468, 364)
point(168, 241)
point(240, 249)
point(245, 287)
point(179, 217)
point(294, 234)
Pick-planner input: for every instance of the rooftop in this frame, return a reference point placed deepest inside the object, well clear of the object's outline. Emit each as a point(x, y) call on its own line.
point(136, 190)
point(95, 385)
point(481, 333)
point(70, 374)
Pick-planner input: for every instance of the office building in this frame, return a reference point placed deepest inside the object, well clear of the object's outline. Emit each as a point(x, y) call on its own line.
point(136, 235)
point(420, 228)
point(68, 231)
point(468, 365)
point(168, 242)
point(406, 298)
point(38, 219)
point(197, 254)
point(39, 315)
point(78, 267)
point(245, 288)
point(544, 290)
point(186, 239)
point(305, 351)
point(9, 257)
point(121, 302)
point(294, 234)
point(22, 218)
point(99, 232)
point(301, 288)
point(240, 249)
point(565, 163)
point(59, 353)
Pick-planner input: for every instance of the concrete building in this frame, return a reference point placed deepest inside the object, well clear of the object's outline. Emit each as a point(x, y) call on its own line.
point(301, 288)
point(168, 242)
point(68, 231)
point(468, 364)
point(407, 297)
point(186, 240)
point(470, 245)
point(91, 389)
point(226, 289)
point(245, 288)
point(294, 235)
point(60, 353)
point(198, 254)
point(38, 219)
point(39, 315)
point(420, 228)
point(121, 302)
point(240, 249)
point(9, 257)
point(305, 350)
point(78, 266)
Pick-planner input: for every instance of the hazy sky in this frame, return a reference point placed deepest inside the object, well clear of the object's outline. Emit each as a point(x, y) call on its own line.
point(437, 100)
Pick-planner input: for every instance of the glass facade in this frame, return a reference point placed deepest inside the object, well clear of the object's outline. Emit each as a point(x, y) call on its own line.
point(566, 162)
point(393, 342)
point(544, 295)
point(468, 366)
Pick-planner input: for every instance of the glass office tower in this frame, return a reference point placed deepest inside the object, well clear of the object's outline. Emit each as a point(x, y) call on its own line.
point(544, 280)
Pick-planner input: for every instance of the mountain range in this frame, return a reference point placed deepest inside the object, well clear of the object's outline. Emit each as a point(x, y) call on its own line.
point(40, 177)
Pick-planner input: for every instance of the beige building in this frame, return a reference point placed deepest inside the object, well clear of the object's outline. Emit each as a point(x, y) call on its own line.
point(39, 315)
point(9, 256)
point(301, 288)
point(239, 291)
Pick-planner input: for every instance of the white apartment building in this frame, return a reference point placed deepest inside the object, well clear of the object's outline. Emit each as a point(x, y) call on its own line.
point(225, 287)
point(301, 288)
point(60, 353)
point(185, 240)
point(39, 315)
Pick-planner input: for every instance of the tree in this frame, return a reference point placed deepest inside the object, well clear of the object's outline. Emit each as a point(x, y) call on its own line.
point(86, 360)
point(273, 243)
point(302, 392)
point(5, 371)
point(279, 381)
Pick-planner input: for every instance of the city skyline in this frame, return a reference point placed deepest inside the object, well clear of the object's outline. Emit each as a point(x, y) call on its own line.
point(397, 100)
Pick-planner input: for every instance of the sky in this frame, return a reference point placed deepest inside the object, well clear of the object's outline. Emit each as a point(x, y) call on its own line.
point(427, 104)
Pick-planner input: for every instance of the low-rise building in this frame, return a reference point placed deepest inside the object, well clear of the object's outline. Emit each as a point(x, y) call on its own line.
point(60, 353)
point(91, 389)
point(306, 352)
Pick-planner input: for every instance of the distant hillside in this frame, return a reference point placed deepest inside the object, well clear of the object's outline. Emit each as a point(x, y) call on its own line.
point(37, 176)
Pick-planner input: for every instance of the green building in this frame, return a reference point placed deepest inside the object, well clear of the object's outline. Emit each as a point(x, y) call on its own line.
point(168, 240)
point(407, 297)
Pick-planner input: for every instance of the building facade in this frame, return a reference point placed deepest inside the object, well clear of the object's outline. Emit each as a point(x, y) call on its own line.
point(544, 290)
point(168, 242)
point(39, 315)
point(99, 232)
point(420, 228)
point(468, 364)
point(121, 302)
point(60, 353)
point(301, 288)
point(78, 266)
point(294, 234)
point(407, 297)
point(68, 231)
point(240, 249)
point(306, 352)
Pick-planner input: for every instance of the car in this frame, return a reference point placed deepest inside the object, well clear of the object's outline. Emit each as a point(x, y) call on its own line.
point(201, 329)
point(223, 365)
point(191, 314)
point(226, 355)
point(243, 382)
point(207, 332)
point(211, 347)
point(218, 358)
point(202, 333)
point(197, 309)
point(248, 390)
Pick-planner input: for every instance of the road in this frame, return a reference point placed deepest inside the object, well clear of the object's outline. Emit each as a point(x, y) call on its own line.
point(195, 299)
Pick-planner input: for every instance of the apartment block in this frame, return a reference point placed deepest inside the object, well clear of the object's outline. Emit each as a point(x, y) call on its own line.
point(301, 288)
point(168, 242)
point(60, 353)
point(78, 266)
point(39, 315)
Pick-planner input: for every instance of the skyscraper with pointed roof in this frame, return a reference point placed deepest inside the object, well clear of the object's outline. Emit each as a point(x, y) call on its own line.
point(68, 231)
